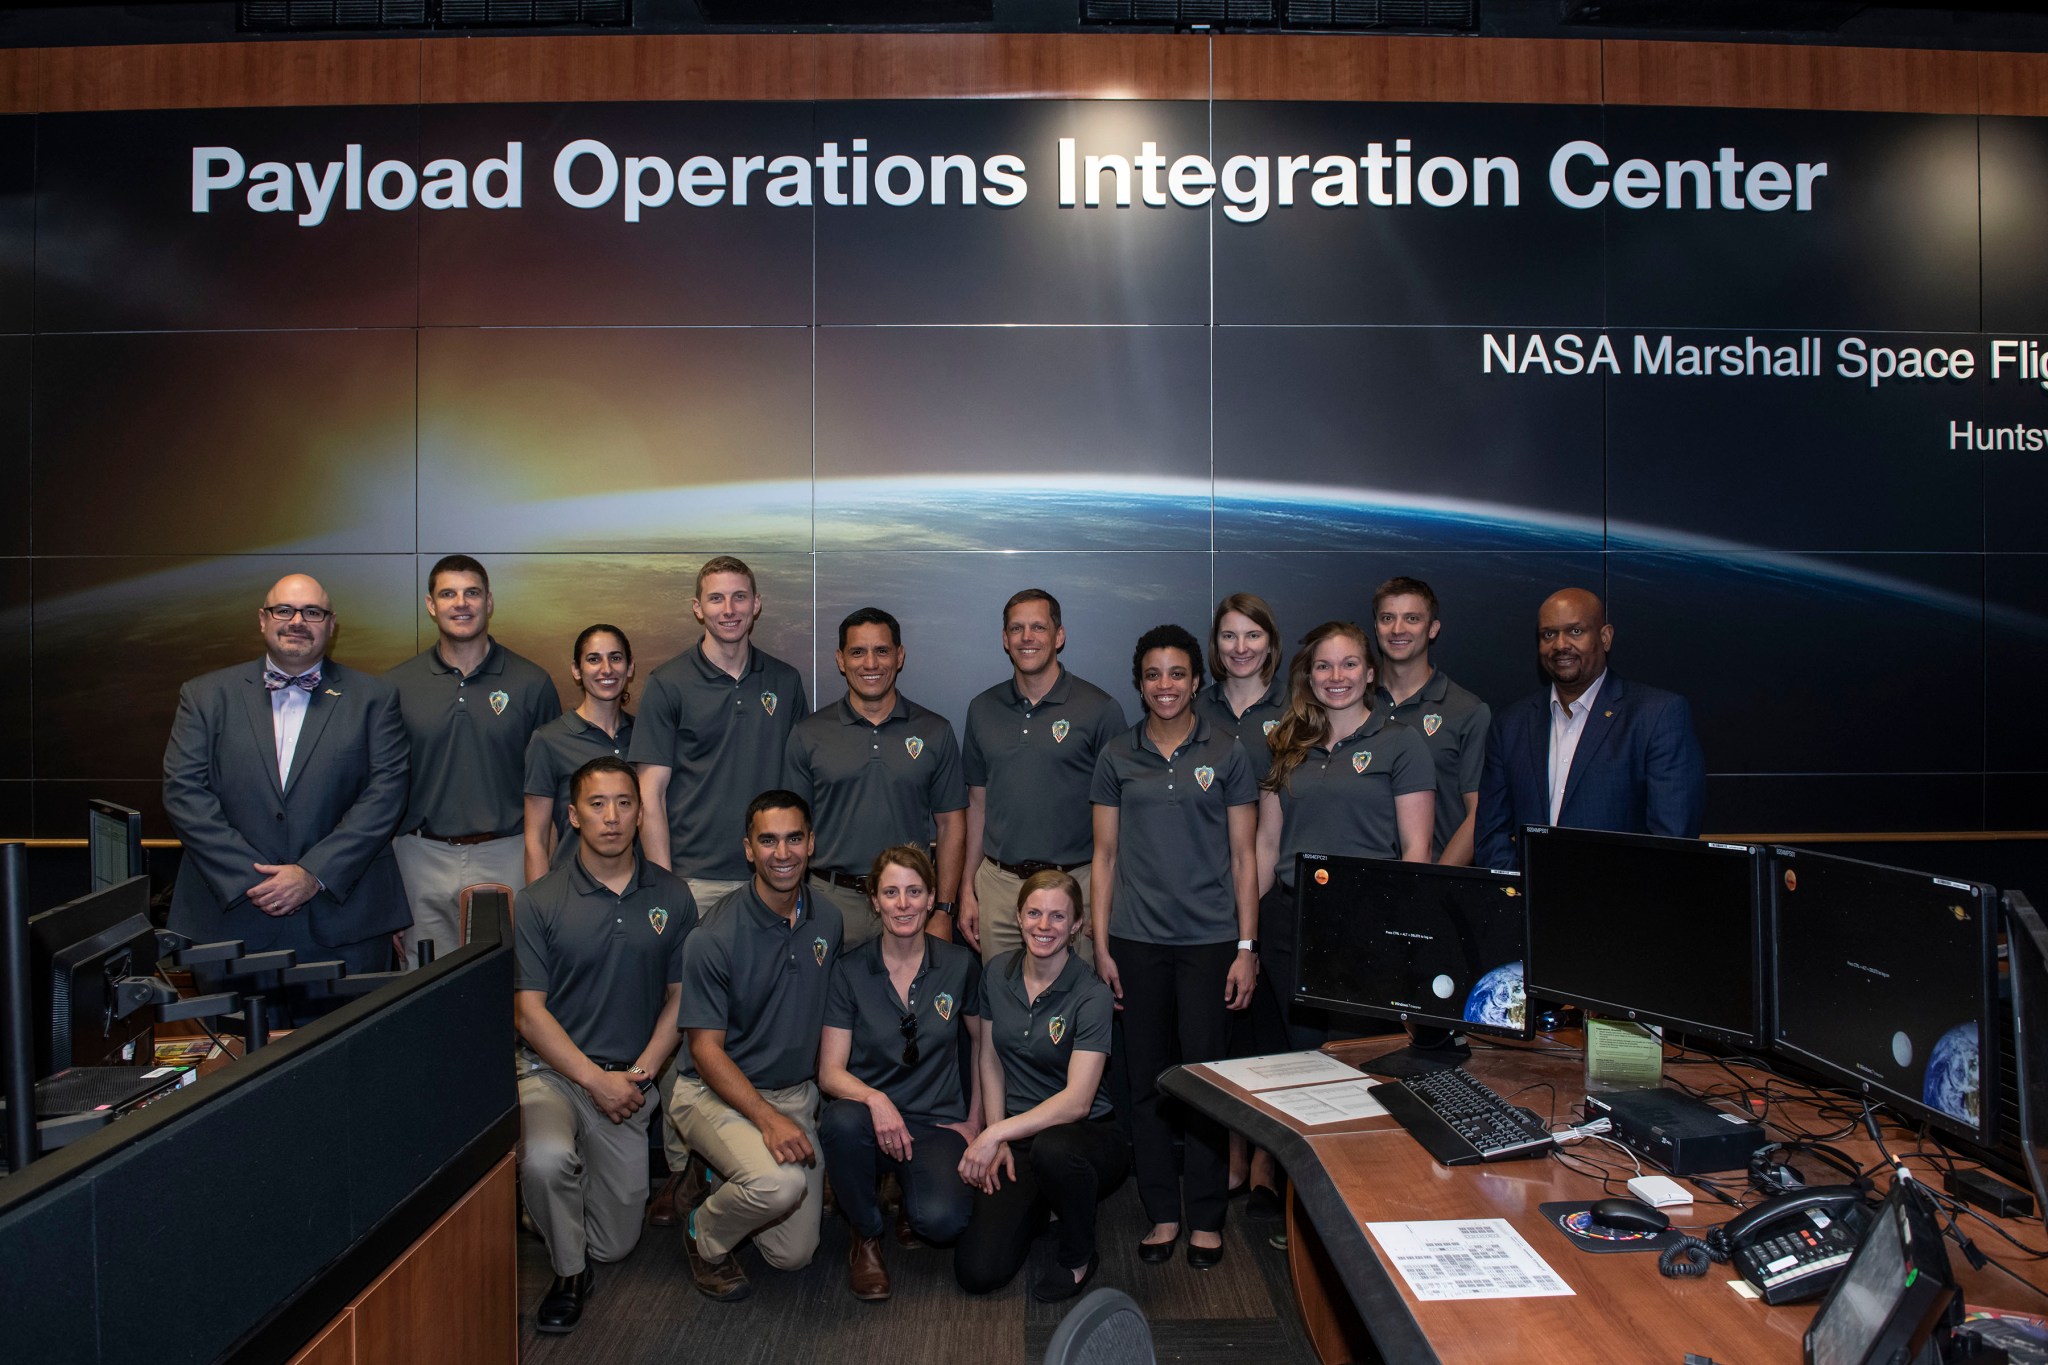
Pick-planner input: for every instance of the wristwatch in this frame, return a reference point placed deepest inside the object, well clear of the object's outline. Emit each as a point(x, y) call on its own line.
point(944, 907)
point(1248, 945)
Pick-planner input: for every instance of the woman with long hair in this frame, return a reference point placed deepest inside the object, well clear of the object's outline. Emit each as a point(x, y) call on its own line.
point(602, 664)
point(1244, 659)
point(1346, 779)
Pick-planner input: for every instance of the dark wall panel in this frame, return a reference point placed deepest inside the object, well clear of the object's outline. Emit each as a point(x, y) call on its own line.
point(1537, 264)
point(1321, 443)
point(680, 264)
point(1012, 438)
point(1034, 262)
point(1810, 461)
point(17, 223)
point(1890, 242)
point(605, 440)
point(118, 246)
point(225, 443)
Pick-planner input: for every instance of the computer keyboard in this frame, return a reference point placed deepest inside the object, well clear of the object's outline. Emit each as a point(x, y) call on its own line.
point(1459, 1121)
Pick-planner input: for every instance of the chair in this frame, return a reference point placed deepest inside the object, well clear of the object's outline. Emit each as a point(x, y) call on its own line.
point(1105, 1328)
point(462, 903)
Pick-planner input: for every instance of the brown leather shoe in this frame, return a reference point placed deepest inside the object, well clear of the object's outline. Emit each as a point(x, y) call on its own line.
point(865, 1273)
point(720, 1279)
point(661, 1212)
point(906, 1236)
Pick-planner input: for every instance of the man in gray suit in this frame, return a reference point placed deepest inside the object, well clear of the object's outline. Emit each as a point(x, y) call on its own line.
point(285, 779)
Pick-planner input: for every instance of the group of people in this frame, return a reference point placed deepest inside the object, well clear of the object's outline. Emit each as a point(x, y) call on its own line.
point(742, 915)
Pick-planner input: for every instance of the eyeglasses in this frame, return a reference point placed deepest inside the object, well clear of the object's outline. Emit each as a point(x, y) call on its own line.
point(285, 611)
point(910, 1040)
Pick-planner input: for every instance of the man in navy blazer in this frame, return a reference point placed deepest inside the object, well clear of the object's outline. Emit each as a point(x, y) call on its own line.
point(1589, 751)
point(286, 778)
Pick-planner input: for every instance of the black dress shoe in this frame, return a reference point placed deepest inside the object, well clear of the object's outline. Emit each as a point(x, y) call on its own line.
point(1205, 1258)
point(562, 1309)
point(1264, 1205)
point(1158, 1253)
point(1058, 1282)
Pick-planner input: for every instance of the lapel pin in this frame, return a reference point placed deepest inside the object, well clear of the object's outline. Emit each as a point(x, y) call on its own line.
point(332, 693)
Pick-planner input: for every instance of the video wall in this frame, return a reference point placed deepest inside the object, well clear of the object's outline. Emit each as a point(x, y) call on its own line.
point(1773, 382)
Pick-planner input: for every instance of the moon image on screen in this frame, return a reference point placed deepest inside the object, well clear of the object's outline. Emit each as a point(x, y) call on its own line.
point(1443, 986)
point(1902, 1048)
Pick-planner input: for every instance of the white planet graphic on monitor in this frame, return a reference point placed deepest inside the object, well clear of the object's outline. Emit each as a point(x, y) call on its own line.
point(1952, 1074)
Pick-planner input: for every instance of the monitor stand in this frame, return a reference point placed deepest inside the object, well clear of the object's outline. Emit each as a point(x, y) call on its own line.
point(1431, 1049)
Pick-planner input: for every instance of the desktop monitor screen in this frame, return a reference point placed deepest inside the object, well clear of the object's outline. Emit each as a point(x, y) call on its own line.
point(1660, 931)
point(1414, 942)
point(76, 951)
point(2026, 940)
point(114, 840)
point(1887, 981)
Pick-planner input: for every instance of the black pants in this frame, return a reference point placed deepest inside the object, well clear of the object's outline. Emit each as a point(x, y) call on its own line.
point(1066, 1170)
point(1174, 992)
point(1278, 1024)
point(935, 1199)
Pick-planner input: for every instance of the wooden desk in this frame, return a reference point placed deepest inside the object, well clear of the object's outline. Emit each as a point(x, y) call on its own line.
point(1357, 1309)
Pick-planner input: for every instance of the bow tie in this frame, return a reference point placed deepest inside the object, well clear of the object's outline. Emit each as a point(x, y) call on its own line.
point(274, 681)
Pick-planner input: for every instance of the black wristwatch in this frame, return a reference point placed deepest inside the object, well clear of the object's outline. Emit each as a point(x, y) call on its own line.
point(945, 907)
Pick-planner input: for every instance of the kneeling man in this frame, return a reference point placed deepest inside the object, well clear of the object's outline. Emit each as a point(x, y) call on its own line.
point(600, 959)
point(746, 1097)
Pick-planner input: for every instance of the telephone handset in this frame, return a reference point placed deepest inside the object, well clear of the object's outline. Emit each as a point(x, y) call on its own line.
point(1793, 1247)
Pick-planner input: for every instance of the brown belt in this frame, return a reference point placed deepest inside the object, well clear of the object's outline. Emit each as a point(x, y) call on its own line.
point(846, 879)
point(462, 840)
point(1030, 866)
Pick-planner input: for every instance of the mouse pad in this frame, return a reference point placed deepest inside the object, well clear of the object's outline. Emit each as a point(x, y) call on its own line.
point(1573, 1218)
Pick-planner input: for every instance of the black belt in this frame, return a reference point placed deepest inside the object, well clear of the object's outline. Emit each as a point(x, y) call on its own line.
point(603, 1065)
point(463, 840)
point(1031, 866)
point(846, 879)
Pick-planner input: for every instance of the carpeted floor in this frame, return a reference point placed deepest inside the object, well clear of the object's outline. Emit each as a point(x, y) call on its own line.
point(646, 1309)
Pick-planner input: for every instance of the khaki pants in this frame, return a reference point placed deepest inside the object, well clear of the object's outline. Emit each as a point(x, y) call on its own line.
point(862, 923)
point(776, 1204)
point(995, 891)
point(583, 1176)
point(708, 892)
point(435, 874)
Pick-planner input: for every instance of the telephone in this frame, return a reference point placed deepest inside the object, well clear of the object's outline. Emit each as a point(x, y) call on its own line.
point(1793, 1248)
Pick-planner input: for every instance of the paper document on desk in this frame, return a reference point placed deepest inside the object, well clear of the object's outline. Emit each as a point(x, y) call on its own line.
point(1283, 1069)
point(1315, 1105)
point(1467, 1258)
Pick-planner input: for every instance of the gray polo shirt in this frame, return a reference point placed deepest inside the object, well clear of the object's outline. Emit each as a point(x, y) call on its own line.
point(724, 738)
point(1340, 799)
point(1036, 1039)
point(871, 786)
point(764, 981)
point(1037, 762)
point(1453, 723)
point(942, 994)
point(603, 960)
point(1173, 833)
point(554, 754)
point(1252, 728)
point(469, 739)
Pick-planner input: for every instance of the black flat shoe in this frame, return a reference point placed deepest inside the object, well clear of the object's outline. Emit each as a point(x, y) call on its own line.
point(562, 1308)
point(1264, 1205)
point(1059, 1283)
point(1205, 1258)
point(1157, 1253)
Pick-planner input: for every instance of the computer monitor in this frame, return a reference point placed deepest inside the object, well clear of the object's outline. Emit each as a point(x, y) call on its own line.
point(1659, 931)
point(2026, 938)
point(1414, 942)
point(1887, 981)
point(76, 952)
point(1896, 1290)
point(114, 842)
